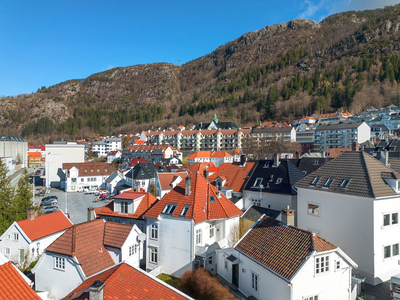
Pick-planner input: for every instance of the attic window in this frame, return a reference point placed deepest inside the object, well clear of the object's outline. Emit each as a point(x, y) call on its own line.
point(248, 174)
point(148, 171)
point(185, 210)
point(212, 199)
point(169, 209)
point(315, 181)
point(257, 182)
point(328, 182)
point(98, 171)
point(105, 170)
point(316, 162)
point(271, 178)
point(266, 164)
point(278, 181)
point(345, 182)
point(91, 170)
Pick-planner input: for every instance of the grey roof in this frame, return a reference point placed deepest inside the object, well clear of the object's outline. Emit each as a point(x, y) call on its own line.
point(364, 171)
point(391, 118)
point(122, 187)
point(307, 165)
point(255, 212)
point(143, 171)
point(111, 177)
point(273, 130)
point(338, 126)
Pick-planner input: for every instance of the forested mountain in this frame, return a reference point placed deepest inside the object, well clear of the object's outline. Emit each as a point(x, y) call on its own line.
point(349, 61)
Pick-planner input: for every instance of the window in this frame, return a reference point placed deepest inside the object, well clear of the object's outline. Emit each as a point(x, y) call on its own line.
point(82, 179)
point(212, 199)
point(328, 182)
point(254, 281)
point(386, 252)
point(198, 236)
point(311, 298)
point(258, 182)
point(337, 265)
point(154, 231)
point(313, 209)
point(15, 236)
point(7, 250)
point(154, 255)
point(344, 183)
point(132, 249)
point(390, 219)
point(278, 181)
point(321, 264)
point(169, 209)
point(315, 181)
point(210, 260)
point(124, 207)
point(212, 231)
point(395, 249)
point(226, 264)
point(185, 210)
point(59, 263)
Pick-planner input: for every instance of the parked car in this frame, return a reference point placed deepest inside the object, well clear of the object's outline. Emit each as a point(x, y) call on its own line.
point(50, 209)
point(110, 196)
point(50, 198)
point(103, 195)
point(48, 202)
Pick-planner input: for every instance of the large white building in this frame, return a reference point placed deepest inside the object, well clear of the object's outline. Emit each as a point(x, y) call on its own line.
point(56, 155)
point(354, 202)
point(103, 147)
point(340, 135)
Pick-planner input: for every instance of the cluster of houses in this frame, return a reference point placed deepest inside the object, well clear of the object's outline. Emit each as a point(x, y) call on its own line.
point(281, 228)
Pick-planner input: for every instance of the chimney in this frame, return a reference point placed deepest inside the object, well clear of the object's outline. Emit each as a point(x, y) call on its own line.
point(355, 147)
point(288, 216)
point(297, 154)
point(30, 214)
point(322, 154)
point(188, 186)
point(276, 160)
point(96, 291)
point(385, 158)
point(90, 213)
point(206, 173)
point(242, 160)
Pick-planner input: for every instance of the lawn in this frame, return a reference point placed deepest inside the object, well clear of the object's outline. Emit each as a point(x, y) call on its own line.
point(170, 280)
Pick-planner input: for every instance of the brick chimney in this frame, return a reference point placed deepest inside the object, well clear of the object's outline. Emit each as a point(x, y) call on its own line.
point(188, 187)
point(30, 214)
point(288, 216)
point(206, 173)
point(355, 147)
point(242, 160)
point(276, 160)
point(96, 290)
point(90, 213)
point(297, 154)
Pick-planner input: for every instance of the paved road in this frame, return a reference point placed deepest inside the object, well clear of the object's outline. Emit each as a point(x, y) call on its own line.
point(76, 204)
point(380, 291)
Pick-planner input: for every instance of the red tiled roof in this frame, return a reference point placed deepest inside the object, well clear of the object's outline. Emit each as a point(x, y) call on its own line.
point(150, 147)
point(136, 160)
point(85, 241)
point(281, 248)
point(44, 225)
point(145, 204)
point(236, 175)
point(114, 152)
point(200, 154)
point(201, 208)
point(13, 286)
point(220, 154)
point(139, 142)
point(126, 282)
point(43, 148)
point(196, 167)
point(91, 168)
point(167, 178)
point(115, 234)
point(335, 152)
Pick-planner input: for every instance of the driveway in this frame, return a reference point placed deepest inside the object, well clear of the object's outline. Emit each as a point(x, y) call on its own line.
point(380, 291)
point(76, 204)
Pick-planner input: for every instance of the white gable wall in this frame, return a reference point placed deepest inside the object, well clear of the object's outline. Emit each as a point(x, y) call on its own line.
point(7, 241)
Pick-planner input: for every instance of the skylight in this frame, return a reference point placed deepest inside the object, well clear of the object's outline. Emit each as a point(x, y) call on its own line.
point(315, 181)
point(258, 182)
point(278, 181)
point(185, 210)
point(345, 182)
point(212, 199)
point(169, 209)
point(328, 182)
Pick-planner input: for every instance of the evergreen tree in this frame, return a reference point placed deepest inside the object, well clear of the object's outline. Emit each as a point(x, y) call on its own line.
point(6, 196)
point(23, 198)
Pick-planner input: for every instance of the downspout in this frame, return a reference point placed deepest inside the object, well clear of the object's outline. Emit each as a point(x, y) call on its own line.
point(290, 291)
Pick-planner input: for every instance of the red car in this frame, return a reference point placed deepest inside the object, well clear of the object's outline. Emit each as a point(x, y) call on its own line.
point(103, 195)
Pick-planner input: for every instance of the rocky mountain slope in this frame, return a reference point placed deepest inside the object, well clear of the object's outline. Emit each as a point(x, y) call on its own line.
point(349, 61)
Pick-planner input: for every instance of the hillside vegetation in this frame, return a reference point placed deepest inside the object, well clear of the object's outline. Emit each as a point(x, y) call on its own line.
point(349, 61)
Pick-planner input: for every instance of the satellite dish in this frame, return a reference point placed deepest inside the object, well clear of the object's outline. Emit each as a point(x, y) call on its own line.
point(141, 237)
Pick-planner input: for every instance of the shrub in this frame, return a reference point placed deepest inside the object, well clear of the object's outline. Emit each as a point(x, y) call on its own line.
point(200, 285)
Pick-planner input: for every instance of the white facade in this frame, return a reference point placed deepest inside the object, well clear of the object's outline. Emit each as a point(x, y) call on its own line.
point(75, 182)
point(103, 147)
point(56, 155)
point(113, 156)
point(180, 244)
point(9, 163)
point(269, 200)
point(356, 224)
point(14, 244)
point(258, 281)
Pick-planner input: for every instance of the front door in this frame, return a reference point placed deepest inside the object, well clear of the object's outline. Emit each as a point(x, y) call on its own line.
point(235, 274)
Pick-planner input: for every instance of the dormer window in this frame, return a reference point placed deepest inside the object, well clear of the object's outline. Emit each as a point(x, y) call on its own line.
point(344, 183)
point(315, 181)
point(212, 199)
point(328, 182)
point(278, 181)
point(316, 162)
point(169, 209)
point(271, 178)
point(185, 210)
point(257, 182)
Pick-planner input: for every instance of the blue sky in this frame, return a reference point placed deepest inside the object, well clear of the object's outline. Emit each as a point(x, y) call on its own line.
point(49, 41)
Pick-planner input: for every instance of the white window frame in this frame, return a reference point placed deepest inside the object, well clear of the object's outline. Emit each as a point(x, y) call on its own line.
point(15, 236)
point(124, 207)
point(317, 207)
point(198, 236)
point(212, 231)
point(255, 280)
point(132, 249)
point(390, 219)
point(153, 255)
point(154, 231)
point(59, 263)
point(315, 297)
point(7, 250)
point(322, 264)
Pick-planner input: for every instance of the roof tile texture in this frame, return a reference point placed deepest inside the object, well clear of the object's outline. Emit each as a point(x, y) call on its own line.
point(13, 286)
point(126, 282)
point(236, 175)
point(44, 225)
point(281, 248)
point(91, 168)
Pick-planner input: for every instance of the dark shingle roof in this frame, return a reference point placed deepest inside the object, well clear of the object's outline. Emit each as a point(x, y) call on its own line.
point(307, 165)
point(363, 170)
point(255, 212)
point(281, 248)
point(338, 126)
point(143, 171)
